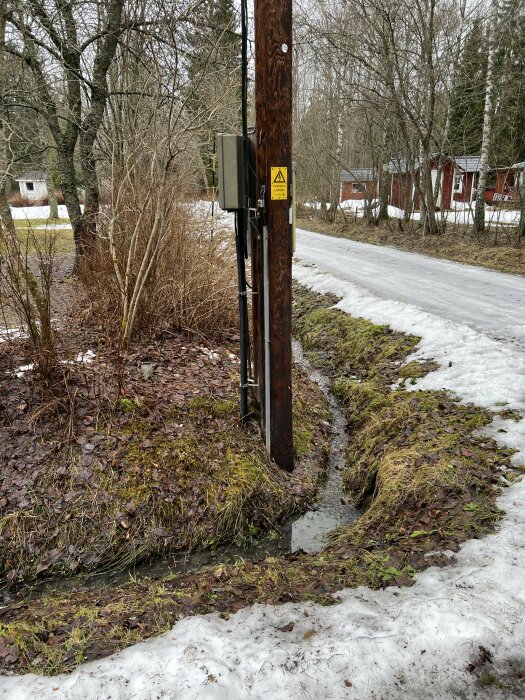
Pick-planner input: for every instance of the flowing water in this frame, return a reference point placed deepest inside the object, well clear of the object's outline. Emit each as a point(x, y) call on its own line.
point(309, 532)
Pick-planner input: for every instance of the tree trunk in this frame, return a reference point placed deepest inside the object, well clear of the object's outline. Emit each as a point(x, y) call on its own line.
point(91, 197)
point(479, 215)
point(51, 194)
point(384, 190)
point(521, 225)
point(5, 211)
point(91, 124)
point(68, 179)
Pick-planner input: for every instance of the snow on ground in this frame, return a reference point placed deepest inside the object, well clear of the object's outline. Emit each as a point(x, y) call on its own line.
point(465, 215)
point(461, 212)
point(54, 227)
point(219, 219)
point(21, 213)
point(11, 334)
point(83, 358)
point(397, 644)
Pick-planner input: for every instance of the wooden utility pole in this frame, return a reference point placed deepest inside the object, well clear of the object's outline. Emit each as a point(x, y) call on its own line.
point(272, 250)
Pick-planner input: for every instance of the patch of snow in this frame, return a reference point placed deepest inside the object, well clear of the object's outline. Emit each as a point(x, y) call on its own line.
point(11, 334)
point(461, 213)
point(82, 358)
point(212, 354)
point(357, 204)
point(21, 213)
point(219, 219)
point(54, 227)
point(20, 371)
point(85, 357)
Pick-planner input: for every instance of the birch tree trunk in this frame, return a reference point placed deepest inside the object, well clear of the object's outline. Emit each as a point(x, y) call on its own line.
point(479, 215)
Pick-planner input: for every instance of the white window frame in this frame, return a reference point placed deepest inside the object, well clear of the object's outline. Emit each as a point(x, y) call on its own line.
point(458, 180)
point(30, 185)
point(358, 188)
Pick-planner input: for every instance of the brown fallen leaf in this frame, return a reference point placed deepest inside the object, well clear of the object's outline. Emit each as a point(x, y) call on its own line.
point(309, 634)
point(286, 628)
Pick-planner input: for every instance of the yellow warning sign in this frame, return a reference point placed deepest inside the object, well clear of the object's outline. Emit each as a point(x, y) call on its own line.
point(279, 188)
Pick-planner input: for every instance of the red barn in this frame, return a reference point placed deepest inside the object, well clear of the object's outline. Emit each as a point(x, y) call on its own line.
point(359, 183)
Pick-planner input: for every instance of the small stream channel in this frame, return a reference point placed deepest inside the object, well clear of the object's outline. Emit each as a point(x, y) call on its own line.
point(307, 533)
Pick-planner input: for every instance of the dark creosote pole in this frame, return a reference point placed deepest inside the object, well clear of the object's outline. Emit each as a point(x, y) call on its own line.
point(273, 143)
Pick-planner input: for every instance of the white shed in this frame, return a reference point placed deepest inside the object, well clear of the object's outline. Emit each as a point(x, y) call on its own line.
point(33, 185)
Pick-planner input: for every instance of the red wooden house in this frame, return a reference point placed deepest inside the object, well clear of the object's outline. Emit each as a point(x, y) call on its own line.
point(457, 181)
point(359, 184)
point(466, 178)
point(508, 184)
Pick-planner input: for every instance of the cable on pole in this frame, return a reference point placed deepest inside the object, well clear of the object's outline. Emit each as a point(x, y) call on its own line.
point(242, 219)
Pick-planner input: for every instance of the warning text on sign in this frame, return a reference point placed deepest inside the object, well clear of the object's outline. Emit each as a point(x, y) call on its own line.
point(279, 180)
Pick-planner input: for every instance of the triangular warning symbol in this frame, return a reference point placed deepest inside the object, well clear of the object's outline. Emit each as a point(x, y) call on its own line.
point(280, 177)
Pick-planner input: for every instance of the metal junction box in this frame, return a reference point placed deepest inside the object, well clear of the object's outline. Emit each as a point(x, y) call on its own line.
point(229, 165)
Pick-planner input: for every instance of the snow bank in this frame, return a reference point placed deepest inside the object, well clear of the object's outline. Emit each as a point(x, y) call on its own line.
point(54, 227)
point(463, 214)
point(223, 219)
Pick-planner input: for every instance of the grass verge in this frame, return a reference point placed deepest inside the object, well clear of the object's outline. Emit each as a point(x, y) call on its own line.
point(32, 232)
point(415, 461)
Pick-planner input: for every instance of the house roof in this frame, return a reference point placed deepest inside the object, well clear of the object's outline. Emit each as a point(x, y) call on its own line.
point(400, 165)
point(358, 175)
point(518, 166)
point(469, 164)
point(32, 175)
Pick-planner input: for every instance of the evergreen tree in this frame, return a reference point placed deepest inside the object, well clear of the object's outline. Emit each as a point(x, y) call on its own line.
point(468, 94)
point(509, 132)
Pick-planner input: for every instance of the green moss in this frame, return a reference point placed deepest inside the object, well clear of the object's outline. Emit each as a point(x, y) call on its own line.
point(353, 342)
point(511, 414)
point(221, 408)
point(489, 679)
point(127, 405)
point(409, 450)
point(302, 440)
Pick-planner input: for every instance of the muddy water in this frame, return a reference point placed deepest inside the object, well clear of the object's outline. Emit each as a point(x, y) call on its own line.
point(307, 533)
